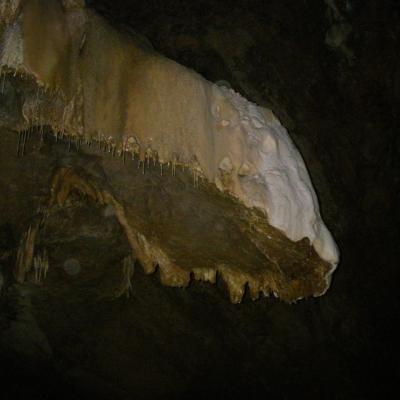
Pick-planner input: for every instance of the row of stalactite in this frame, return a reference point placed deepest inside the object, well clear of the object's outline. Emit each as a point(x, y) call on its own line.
point(150, 158)
point(129, 147)
point(37, 263)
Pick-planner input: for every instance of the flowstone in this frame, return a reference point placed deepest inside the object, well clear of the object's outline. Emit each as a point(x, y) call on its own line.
point(103, 93)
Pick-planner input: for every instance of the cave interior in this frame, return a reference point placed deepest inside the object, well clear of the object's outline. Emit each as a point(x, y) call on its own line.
point(76, 327)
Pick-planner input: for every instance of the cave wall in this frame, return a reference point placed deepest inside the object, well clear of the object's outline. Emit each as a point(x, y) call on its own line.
point(341, 109)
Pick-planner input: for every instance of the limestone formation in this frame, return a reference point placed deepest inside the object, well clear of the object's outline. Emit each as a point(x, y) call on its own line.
point(128, 268)
point(41, 266)
point(101, 88)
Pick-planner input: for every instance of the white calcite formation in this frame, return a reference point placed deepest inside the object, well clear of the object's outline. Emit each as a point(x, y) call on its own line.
point(105, 87)
point(263, 168)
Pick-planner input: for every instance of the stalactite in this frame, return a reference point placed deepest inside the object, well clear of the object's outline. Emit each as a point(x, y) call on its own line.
point(25, 252)
point(128, 268)
point(41, 266)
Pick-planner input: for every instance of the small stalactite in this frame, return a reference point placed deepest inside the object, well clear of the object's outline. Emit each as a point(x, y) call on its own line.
point(128, 268)
point(41, 266)
point(25, 253)
point(22, 139)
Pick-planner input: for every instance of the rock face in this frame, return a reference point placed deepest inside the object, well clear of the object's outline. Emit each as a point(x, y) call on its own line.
point(93, 84)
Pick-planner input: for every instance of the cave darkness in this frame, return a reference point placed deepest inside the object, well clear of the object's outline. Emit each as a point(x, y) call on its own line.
point(339, 100)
